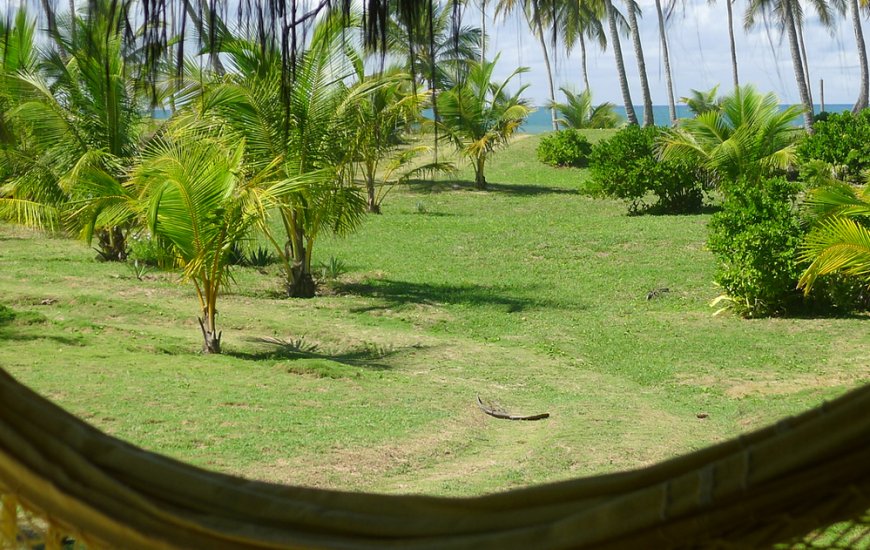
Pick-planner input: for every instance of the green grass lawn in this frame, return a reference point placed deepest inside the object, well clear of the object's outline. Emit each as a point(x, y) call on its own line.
point(530, 294)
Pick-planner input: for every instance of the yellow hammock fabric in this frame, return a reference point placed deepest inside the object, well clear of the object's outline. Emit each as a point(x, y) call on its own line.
point(793, 478)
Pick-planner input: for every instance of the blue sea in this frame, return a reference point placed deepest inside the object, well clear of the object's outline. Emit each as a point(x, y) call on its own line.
point(539, 121)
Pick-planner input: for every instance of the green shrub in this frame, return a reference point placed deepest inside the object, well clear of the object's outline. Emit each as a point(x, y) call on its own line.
point(149, 251)
point(842, 140)
point(626, 167)
point(565, 148)
point(755, 240)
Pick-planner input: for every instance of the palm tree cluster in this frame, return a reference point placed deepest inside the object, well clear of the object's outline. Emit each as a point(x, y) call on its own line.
point(255, 147)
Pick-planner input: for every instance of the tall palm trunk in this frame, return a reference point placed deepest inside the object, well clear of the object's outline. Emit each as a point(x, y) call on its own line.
point(641, 64)
point(799, 75)
point(539, 32)
point(482, 31)
point(583, 61)
point(728, 5)
point(672, 107)
point(620, 64)
point(809, 81)
point(862, 57)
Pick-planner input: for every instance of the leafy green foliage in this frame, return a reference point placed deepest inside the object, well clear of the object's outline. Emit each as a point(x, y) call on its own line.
point(839, 241)
point(841, 140)
point(578, 112)
point(626, 167)
point(747, 135)
point(700, 101)
point(565, 148)
point(755, 239)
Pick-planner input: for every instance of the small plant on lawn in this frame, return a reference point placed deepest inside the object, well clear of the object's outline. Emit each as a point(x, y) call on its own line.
point(478, 116)
point(332, 269)
point(626, 167)
point(565, 148)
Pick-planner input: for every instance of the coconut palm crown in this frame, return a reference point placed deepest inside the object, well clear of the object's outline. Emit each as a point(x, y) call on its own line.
point(747, 135)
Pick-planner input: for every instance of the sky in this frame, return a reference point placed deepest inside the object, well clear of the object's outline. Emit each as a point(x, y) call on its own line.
point(699, 53)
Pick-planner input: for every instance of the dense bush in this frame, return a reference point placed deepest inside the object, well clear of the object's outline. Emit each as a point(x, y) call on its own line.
point(842, 140)
point(626, 167)
point(755, 239)
point(565, 148)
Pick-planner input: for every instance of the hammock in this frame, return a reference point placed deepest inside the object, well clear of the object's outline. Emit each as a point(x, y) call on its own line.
point(62, 480)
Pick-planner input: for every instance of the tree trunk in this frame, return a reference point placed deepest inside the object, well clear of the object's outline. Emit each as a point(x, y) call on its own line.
point(800, 31)
point(371, 201)
point(641, 65)
point(482, 31)
point(211, 338)
point(620, 64)
point(799, 75)
point(672, 107)
point(539, 31)
point(733, 45)
point(862, 57)
point(583, 61)
point(479, 178)
point(300, 283)
point(112, 244)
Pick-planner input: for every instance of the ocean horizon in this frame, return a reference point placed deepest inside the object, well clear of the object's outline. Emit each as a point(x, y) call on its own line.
point(539, 121)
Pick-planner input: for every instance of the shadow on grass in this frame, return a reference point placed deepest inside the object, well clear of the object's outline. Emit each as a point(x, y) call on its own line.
point(9, 333)
point(400, 293)
point(368, 357)
point(656, 210)
point(432, 187)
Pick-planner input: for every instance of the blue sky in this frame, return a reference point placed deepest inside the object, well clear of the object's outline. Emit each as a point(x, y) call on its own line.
point(700, 57)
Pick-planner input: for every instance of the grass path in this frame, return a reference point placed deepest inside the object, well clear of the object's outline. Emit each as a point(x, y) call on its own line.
point(528, 294)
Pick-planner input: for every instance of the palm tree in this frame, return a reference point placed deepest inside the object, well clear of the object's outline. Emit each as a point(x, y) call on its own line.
point(478, 116)
point(789, 15)
point(578, 111)
point(84, 125)
point(581, 20)
point(632, 10)
point(307, 133)
point(538, 15)
point(700, 102)
point(386, 110)
point(840, 240)
point(436, 60)
point(193, 193)
point(748, 136)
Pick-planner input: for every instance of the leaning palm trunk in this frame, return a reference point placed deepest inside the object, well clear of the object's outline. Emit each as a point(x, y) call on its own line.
point(672, 108)
point(862, 57)
point(800, 76)
point(641, 64)
point(620, 64)
point(729, 7)
point(583, 61)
